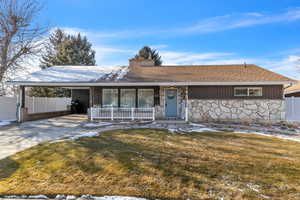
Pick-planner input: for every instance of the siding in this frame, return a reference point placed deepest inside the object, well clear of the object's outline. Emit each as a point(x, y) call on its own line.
point(227, 92)
point(97, 99)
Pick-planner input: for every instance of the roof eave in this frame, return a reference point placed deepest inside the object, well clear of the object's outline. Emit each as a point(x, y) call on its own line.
point(21, 83)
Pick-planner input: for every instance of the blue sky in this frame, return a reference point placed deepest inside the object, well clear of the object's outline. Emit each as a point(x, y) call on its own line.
point(263, 32)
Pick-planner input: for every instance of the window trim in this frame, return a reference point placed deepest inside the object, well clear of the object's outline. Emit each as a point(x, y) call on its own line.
point(248, 91)
point(120, 96)
point(103, 106)
point(138, 100)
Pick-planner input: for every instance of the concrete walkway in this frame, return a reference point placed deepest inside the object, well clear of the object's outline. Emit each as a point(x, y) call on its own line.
point(17, 137)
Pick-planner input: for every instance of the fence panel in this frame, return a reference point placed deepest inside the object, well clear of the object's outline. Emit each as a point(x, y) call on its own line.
point(292, 105)
point(8, 108)
point(44, 104)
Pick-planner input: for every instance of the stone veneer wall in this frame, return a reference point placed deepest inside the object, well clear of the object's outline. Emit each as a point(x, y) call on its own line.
point(160, 109)
point(236, 110)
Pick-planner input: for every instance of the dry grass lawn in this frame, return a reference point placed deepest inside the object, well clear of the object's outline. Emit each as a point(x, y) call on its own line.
point(157, 164)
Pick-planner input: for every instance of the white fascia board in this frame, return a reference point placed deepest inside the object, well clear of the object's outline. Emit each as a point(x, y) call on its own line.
point(86, 84)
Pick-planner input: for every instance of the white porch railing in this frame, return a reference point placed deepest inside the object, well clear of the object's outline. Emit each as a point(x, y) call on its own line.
point(123, 113)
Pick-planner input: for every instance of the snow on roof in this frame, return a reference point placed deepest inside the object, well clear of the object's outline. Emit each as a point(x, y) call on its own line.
point(75, 74)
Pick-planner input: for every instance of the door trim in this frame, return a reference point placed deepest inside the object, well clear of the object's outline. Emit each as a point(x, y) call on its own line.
point(165, 111)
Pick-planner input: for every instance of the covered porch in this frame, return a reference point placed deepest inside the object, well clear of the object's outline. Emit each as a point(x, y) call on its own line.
point(138, 103)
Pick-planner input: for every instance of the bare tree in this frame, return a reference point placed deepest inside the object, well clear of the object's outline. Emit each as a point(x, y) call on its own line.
point(20, 35)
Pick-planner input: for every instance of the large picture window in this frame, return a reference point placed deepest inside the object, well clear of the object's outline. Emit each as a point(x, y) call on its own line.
point(248, 91)
point(127, 98)
point(145, 98)
point(110, 98)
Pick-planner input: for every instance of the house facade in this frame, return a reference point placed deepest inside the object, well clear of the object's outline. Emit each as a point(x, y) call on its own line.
point(191, 93)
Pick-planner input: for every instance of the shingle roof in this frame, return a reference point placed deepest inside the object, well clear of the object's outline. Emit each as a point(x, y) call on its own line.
point(202, 73)
point(295, 87)
point(155, 74)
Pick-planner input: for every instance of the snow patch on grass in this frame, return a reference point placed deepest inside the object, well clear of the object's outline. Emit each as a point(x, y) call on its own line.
point(204, 129)
point(172, 130)
point(100, 124)
point(37, 197)
point(195, 124)
point(88, 134)
point(72, 197)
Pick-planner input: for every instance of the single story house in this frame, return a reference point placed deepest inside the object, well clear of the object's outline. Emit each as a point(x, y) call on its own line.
point(190, 92)
point(293, 91)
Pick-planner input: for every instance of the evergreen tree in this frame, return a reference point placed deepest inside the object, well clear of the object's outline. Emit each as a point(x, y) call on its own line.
point(51, 49)
point(148, 53)
point(75, 50)
point(63, 49)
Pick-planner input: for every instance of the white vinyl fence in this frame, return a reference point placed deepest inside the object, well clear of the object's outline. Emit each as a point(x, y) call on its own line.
point(8, 108)
point(123, 113)
point(292, 105)
point(45, 104)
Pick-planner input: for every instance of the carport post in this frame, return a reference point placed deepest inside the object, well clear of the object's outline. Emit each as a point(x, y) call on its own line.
point(91, 101)
point(21, 103)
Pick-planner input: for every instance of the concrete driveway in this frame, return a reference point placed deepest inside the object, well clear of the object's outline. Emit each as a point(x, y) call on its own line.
point(17, 137)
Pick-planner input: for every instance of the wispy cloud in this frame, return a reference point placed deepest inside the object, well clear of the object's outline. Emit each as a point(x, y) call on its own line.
point(203, 26)
point(241, 20)
point(181, 58)
point(288, 65)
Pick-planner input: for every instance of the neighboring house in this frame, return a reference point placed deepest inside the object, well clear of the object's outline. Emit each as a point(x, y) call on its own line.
point(192, 93)
point(293, 91)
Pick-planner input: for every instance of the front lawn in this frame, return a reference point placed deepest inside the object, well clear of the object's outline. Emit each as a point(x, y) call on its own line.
point(158, 164)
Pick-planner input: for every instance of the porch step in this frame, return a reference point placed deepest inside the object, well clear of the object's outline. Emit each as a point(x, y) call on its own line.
point(171, 121)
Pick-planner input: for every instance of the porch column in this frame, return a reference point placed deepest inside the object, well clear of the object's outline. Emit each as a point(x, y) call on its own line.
point(186, 104)
point(91, 97)
point(91, 102)
point(21, 104)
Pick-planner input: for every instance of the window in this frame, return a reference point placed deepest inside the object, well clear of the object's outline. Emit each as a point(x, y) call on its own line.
point(145, 98)
point(255, 92)
point(127, 98)
point(244, 91)
point(110, 98)
point(240, 92)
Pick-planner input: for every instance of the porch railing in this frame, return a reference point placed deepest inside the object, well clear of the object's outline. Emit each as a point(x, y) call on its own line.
point(123, 113)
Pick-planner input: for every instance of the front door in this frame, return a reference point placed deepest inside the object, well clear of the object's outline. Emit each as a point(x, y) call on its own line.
point(171, 103)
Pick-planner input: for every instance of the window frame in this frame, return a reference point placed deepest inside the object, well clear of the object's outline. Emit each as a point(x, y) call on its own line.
point(248, 91)
point(117, 98)
point(138, 99)
point(134, 97)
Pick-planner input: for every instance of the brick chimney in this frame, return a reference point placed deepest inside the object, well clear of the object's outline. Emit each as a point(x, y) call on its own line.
point(141, 61)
